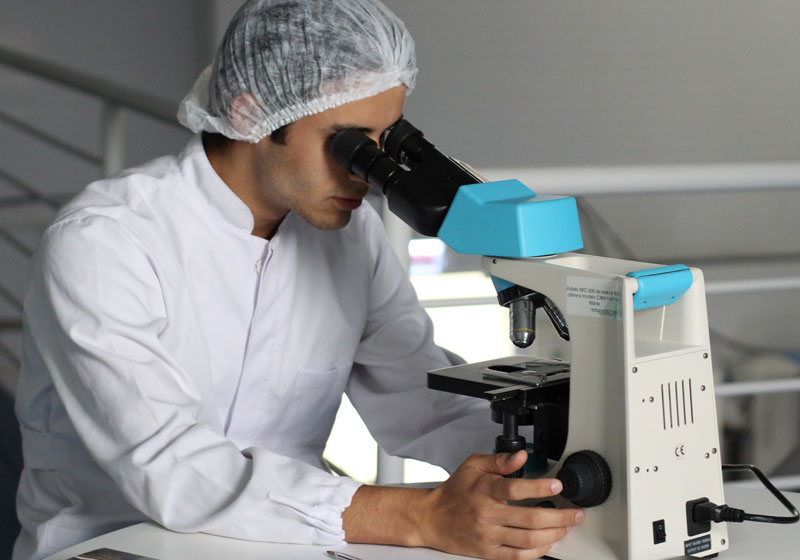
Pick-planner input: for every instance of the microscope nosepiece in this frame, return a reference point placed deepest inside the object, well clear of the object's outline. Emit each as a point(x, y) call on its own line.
point(522, 322)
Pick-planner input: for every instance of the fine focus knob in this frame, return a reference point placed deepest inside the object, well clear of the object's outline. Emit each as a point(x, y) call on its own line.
point(586, 479)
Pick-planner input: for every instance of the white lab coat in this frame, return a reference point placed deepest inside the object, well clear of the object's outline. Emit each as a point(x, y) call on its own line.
point(179, 369)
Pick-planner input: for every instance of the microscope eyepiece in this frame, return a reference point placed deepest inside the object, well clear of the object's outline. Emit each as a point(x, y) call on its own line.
point(418, 180)
point(347, 146)
point(406, 145)
point(357, 153)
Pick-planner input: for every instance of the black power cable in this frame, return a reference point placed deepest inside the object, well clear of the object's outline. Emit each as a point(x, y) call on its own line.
point(708, 511)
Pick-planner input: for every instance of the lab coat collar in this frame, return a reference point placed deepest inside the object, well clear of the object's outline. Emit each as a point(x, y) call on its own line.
point(198, 171)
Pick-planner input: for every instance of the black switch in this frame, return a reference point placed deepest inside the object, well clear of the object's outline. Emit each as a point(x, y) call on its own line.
point(659, 531)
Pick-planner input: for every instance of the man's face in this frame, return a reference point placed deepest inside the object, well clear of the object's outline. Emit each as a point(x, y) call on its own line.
point(301, 176)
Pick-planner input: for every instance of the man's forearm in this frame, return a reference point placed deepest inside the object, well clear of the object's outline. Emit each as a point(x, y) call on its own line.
point(385, 515)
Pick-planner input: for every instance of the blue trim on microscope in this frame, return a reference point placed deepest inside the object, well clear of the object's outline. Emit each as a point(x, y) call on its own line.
point(660, 286)
point(507, 219)
point(501, 284)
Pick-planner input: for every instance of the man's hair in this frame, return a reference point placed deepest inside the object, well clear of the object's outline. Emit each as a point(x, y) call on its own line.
point(219, 143)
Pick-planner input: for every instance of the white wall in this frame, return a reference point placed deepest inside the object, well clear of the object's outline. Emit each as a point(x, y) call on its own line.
point(554, 83)
point(149, 45)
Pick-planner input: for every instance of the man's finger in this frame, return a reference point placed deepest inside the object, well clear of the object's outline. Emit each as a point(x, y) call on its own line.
point(499, 463)
point(513, 553)
point(513, 489)
point(529, 540)
point(539, 518)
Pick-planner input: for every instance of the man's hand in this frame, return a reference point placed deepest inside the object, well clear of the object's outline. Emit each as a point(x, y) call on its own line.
point(468, 514)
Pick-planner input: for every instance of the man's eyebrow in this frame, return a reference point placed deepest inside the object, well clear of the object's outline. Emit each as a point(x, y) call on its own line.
point(339, 127)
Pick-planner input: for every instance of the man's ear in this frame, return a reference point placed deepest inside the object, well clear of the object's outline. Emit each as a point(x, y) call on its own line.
point(245, 113)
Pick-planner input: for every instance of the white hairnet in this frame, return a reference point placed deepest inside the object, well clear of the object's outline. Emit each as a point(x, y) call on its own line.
point(281, 60)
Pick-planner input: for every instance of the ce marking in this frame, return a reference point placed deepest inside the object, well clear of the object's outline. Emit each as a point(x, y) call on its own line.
point(680, 451)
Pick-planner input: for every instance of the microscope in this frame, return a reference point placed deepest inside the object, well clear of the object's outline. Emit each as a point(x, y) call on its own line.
point(629, 423)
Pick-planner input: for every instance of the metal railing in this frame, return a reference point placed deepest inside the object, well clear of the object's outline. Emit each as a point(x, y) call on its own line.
point(115, 99)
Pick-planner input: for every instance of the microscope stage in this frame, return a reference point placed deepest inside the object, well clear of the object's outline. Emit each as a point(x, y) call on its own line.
point(490, 378)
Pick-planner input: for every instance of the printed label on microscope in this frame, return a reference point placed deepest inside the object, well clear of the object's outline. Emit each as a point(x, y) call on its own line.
point(700, 544)
point(593, 297)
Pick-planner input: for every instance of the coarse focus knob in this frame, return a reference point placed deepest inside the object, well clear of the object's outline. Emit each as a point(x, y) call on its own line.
point(586, 479)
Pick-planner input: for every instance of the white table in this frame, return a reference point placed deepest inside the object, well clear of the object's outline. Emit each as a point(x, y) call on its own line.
point(749, 541)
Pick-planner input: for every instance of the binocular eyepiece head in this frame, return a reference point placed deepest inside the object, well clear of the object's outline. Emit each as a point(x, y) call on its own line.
point(402, 142)
point(418, 180)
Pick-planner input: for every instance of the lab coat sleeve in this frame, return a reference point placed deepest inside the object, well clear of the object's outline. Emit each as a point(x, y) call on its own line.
point(96, 309)
point(388, 384)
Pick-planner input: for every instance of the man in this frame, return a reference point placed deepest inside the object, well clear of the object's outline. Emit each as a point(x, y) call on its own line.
point(191, 324)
